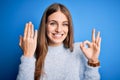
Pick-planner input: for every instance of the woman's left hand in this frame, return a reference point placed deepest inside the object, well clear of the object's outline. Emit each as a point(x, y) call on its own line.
point(93, 50)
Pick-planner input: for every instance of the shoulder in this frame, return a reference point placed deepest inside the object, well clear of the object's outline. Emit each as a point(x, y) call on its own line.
point(76, 46)
point(77, 43)
point(78, 50)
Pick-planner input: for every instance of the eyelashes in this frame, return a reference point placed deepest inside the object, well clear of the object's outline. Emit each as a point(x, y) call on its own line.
point(56, 24)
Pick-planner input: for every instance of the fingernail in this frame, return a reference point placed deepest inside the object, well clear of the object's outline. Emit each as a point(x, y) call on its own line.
point(30, 22)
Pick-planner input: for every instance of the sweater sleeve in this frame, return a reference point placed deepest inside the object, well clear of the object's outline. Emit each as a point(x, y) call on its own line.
point(26, 68)
point(89, 73)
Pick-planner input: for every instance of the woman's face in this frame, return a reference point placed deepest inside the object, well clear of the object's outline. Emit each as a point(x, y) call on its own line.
point(57, 28)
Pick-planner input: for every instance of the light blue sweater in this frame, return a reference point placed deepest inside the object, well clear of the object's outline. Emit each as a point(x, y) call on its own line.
point(60, 64)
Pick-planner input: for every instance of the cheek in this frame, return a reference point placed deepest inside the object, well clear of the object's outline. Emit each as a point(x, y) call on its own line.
point(66, 30)
point(50, 29)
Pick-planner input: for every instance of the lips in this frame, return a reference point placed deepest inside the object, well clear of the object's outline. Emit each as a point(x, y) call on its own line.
point(57, 35)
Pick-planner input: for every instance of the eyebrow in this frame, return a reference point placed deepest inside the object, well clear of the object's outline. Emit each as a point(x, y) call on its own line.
point(65, 21)
point(56, 21)
point(52, 21)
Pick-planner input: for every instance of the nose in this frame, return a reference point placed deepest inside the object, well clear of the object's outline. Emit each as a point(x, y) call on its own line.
point(59, 28)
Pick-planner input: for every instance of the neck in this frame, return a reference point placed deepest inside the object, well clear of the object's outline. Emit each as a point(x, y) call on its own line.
point(55, 44)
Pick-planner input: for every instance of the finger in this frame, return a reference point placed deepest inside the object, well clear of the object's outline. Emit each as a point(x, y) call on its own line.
point(97, 38)
point(95, 45)
point(29, 30)
point(93, 35)
point(36, 34)
point(99, 41)
point(87, 43)
point(32, 30)
point(25, 30)
point(82, 46)
point(20, 42)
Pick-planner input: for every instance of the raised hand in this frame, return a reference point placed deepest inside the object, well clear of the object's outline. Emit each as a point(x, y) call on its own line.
point(93, 50)
point(29, 41)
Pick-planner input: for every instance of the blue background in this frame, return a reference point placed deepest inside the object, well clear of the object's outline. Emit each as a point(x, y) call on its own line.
point(103, 15)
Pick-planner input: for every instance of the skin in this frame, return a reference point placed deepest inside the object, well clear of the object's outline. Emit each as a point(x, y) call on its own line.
point(29, 41)
point(93, 50)
point(57, 30)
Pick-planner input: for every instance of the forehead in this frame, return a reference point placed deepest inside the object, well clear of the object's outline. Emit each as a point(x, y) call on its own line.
point(58, 16)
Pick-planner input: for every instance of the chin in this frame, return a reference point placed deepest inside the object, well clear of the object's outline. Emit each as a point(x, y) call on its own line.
point(57, 42)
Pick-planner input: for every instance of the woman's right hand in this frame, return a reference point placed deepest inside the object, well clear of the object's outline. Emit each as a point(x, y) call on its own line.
point(28, 42)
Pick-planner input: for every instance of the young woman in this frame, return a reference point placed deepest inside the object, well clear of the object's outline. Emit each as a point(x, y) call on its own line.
point(51, 54)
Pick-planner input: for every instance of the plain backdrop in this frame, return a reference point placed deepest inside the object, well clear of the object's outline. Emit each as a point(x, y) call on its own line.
point(103, 15)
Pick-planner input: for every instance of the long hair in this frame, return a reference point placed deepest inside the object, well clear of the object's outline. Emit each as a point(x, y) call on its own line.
point(42, 40)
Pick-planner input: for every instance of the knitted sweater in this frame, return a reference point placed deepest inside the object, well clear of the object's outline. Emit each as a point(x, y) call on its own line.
point(60, 64)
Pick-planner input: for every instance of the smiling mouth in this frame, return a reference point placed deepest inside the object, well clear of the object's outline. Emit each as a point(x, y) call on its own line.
point(56, 35)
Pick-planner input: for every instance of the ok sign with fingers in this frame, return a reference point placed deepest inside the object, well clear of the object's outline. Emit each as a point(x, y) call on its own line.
point(93, 50)
point(29, 41)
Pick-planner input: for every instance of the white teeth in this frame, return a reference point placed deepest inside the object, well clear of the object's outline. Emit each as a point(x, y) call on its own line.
point(57, 35)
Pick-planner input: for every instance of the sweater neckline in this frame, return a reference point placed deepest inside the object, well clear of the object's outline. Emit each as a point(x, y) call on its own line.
point(55, 47)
